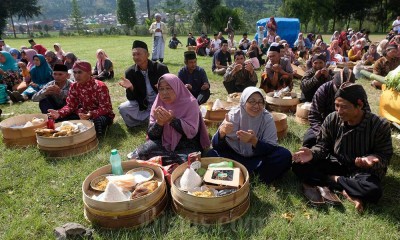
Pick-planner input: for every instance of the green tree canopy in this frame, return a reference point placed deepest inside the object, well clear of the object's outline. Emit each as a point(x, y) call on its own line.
point(76, 17)
point(126, 13)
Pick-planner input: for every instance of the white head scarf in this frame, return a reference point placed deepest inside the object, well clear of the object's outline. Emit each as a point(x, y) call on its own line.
point(263, 125)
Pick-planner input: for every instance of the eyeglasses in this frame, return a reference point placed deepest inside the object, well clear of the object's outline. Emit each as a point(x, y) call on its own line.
point(254, 103)
point(77, 72)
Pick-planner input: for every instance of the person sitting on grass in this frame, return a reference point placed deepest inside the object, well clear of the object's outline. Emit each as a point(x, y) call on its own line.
point(385, 64)
point(221, 59)
point(315, 77)
point(248, 135)
point(174, 41)
point(340, 161)
point(240, 74)
point(356, 52)
point(88, 99)
point(176, 126)
point(104, 67)
point(323, 104)
point(191, 42)
point(40, 75)
point(70, 59)
point(39, 48)
point(52, 59)
point(9, 71)
point(54, 94)
point(195, 78)
point(371, 55)
point(278, 72)
point(140, 83)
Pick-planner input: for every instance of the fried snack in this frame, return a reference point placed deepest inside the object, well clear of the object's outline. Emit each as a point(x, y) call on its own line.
point(102, 184)
point(206, 193)
point(144, 189)
point(44, 132)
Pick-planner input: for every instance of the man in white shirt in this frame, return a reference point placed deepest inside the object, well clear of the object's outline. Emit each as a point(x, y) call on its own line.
point(215, 44)
point(159, 31)
point(396, 25)
point(4, 46)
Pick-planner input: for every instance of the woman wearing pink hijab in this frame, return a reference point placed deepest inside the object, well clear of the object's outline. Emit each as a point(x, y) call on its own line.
point(104, 67)
point(176, 126)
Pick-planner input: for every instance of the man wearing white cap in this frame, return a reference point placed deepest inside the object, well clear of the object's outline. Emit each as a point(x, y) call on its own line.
point(159, 31)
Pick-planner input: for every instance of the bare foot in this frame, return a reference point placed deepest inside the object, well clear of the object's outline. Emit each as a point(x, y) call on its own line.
point(357, 202)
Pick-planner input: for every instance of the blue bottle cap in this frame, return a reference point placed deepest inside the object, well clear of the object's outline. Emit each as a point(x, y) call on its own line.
point(114, 152)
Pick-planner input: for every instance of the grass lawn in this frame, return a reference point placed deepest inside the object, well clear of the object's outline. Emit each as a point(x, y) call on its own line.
point(37, 195)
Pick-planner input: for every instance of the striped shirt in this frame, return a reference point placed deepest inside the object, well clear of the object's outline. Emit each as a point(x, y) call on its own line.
point(323, 103)
point(371, 136)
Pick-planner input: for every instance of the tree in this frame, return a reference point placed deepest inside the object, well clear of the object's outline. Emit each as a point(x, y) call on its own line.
point(173, 7)
point(76, 16)
point(204, 12)
point(27, 9)
point(299, 9)
point(221, 15)
point(46, 28)
point(126, 13)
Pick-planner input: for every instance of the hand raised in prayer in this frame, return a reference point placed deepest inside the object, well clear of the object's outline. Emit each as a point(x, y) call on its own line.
point(324, 72)
point(247, 136)
point(237, 67)
point(125, 83)
point(302, 156)
point(366, 162)
point(249, 67)
point(52, 90)
point(163, 116)
point(205, 86)
point(226, 127)
point(188, 86)
point(53, 113)
point(276, 68)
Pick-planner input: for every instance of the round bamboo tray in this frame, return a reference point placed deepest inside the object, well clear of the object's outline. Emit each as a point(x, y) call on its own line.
point(57, 142)
point(220, 210)
point(301, 114)
point(213, 218)
point(71, 151)
point(127, 214)
point(281, 105)
point(20, 137)
point(281, 125)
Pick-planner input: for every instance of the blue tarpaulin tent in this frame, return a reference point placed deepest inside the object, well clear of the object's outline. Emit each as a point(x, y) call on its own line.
point(288, 28)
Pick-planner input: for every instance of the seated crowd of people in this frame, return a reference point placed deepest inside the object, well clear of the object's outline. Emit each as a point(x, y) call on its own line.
point(331, 158)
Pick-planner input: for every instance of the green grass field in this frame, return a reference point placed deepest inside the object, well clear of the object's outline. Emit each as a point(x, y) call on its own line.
point(37, 195)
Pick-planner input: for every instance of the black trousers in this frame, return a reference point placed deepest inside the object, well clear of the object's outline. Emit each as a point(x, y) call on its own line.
point(364, 186)
point(203, 96)
point(49, 103)
point(231, 86)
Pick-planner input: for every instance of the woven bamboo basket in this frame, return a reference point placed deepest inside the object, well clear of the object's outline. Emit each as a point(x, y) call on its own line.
point(234, 97)
point(301, 114)
point(69, 146)
point(213, 210)
point(281, 125)
point(281, 105)
point(20, 137)
point(217, 116)
point(127, 214)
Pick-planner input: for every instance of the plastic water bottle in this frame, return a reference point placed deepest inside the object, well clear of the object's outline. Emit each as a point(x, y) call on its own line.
point(115, 160)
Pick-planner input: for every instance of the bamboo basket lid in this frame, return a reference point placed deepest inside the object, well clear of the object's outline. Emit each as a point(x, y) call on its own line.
point(280, 120)
point(269, 98)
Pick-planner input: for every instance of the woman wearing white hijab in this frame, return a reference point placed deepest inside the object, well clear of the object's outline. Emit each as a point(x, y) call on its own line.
point(248, 135)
